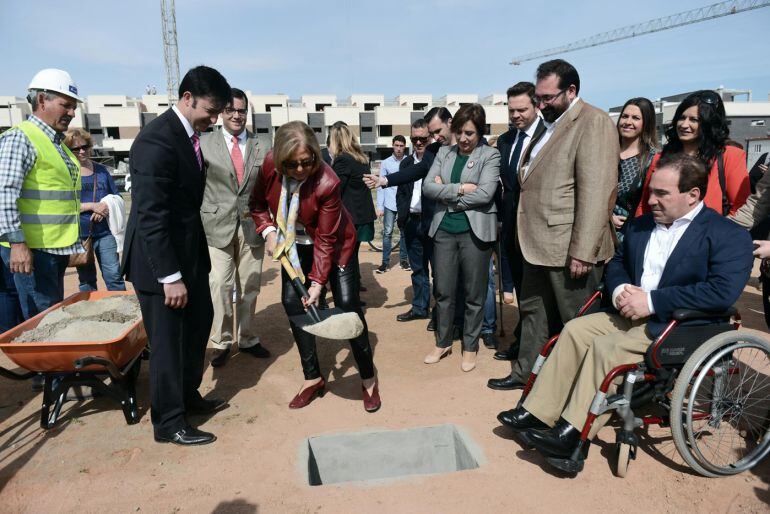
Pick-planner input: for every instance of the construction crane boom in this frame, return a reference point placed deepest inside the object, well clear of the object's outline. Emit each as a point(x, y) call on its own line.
point(170, 52)
point(708, 12)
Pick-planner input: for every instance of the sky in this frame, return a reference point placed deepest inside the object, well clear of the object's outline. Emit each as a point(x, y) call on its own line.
point(346, 47)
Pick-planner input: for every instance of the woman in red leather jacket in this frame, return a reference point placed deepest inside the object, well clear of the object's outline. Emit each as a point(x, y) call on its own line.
point(296, 204)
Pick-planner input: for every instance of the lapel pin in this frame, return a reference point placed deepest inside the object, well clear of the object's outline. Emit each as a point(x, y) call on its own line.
point(471, 164)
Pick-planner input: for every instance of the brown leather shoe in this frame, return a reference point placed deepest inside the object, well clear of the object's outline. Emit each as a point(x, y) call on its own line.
point(307, 395)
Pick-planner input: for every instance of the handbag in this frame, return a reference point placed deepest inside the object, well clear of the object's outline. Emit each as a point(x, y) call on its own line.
point(87, 257)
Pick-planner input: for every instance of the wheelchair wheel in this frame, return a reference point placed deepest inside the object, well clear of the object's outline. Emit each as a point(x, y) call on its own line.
point(624, 457)
point(720, 405)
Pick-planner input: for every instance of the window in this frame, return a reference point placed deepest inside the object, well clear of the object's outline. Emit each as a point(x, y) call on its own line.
point(113, 132)
point(321, 107)
point(419, 106)
point(366, 129)
point(464, 103)
point(370, 107)
point(262, 131)
point(317, 130)
point(386, 130)
point(162, 105)
point(487, 129)
point(758, 148)
point(757, 123)
point(270, 107)
point(113, 105)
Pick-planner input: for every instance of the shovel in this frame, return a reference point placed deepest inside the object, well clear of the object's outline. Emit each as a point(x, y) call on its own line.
point(329, 323)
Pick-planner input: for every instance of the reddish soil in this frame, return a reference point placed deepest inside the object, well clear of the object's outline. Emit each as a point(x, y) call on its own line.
point(93, 462)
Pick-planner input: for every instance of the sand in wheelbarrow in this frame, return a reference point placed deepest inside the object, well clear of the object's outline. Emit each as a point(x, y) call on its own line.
point(98, 320)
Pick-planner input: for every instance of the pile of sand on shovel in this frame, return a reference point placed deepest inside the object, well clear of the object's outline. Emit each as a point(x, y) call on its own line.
point(340, 326)
point(97, 320)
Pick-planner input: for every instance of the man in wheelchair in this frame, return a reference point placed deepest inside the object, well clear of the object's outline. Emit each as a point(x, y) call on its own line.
point(681, 256)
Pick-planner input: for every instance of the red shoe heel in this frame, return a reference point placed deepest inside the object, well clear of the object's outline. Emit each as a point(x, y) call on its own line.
point(307, 395)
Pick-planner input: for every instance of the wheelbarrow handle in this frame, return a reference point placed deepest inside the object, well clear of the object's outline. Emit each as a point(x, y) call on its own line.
point(299, 287)
point(7, 373)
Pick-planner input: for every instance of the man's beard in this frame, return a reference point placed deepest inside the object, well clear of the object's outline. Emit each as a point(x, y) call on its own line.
point(551, 113)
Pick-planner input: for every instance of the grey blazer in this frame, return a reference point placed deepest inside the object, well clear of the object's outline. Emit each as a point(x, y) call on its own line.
point(226, 203)
point(482, 169)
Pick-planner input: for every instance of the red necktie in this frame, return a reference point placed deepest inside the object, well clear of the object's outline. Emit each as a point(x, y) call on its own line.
point(237, 157)
point(196, 141)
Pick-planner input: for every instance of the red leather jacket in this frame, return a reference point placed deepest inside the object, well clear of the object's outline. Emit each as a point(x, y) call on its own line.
point(320, 211)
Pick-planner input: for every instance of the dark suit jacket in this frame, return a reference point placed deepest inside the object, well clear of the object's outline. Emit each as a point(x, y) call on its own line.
point(509, 175)
point(164, 233)
point(356, 197)
point(408, 173)
point(707, 270)
point(755, 174)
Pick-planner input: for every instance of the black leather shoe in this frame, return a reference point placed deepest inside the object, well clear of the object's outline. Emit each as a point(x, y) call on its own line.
point(204, 406)
point(188, 436)
point(431, 325)
point(559, 441)
point(508, 355)
point(258, 351)
point(219, 358)
point(490, 341)
point(410, 315)
point(504, 384)
point(520, 419)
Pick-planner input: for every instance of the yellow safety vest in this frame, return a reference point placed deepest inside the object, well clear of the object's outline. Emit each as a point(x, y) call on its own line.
point(49, 204)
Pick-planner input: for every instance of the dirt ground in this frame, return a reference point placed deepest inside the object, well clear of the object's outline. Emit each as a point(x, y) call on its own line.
point(93, 462)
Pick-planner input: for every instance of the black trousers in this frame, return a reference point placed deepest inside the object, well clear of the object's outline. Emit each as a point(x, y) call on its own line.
point(510, 246)
point(178, 340)
point(344, 285)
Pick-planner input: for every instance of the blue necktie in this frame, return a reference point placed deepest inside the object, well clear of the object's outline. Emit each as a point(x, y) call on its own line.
point(513, 167)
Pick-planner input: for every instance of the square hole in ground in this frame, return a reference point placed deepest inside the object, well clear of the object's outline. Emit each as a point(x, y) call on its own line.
point(360, 456)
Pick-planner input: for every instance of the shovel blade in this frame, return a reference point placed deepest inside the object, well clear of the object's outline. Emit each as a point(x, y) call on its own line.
point(334, 324)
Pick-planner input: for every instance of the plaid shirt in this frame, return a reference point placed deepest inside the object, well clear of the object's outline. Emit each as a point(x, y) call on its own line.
point(17, 158)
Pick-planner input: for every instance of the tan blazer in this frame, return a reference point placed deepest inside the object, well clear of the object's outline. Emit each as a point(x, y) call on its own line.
point(226, 203)
point(569, 191)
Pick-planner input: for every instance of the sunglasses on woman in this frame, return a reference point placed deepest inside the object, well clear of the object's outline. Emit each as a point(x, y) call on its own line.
point(293, 165)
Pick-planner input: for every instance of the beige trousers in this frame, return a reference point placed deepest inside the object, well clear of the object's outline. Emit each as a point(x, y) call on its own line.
point(241, 262)
point(587, 350)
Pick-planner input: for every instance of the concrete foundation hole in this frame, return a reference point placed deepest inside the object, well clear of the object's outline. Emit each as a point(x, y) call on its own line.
point(389, 454)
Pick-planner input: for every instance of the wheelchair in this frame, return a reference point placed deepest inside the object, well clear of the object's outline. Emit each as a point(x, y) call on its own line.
point(710, 381)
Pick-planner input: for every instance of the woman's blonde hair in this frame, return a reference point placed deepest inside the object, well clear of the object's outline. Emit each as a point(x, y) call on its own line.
point(291, 137)
point(342, 140)
point(78, 133)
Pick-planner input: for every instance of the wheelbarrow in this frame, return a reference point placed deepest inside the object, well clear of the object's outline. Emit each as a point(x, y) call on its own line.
point(65, 365)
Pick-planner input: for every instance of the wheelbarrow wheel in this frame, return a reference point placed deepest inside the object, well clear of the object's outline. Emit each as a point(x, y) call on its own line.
point(623, 459)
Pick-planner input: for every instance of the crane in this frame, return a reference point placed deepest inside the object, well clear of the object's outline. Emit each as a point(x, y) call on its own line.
point(708, 12)
point(170, 51)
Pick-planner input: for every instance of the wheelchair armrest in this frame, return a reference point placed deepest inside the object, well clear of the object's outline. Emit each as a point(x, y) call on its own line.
point(686, 314)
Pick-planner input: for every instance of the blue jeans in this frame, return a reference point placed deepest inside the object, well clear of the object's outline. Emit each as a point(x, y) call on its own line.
point(490, 309)
point(505, 266)
point(44, 286)
point(106, 252)
point(388, 223)
point(411, 239)
point(10, 308)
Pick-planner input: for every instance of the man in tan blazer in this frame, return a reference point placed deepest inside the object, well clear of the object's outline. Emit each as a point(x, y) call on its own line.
point(233, 159)
point(568, 179)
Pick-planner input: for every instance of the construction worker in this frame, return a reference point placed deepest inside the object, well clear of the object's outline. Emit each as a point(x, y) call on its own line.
point(39, 193)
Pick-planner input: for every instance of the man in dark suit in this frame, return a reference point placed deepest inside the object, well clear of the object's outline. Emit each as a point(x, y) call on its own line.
point(166, 257)
point(410, 204)
point(526, 125)
point(681, 256)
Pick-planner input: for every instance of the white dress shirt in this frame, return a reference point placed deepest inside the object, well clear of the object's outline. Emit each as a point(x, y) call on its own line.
point(529, 133)
point(549, 128)
point(190, 131)
point(415, 205)
point(662, 242)
point(242, 137)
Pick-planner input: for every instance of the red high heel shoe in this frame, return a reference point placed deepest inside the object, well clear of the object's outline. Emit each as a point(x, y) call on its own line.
point(372, 403)
point(307, 395)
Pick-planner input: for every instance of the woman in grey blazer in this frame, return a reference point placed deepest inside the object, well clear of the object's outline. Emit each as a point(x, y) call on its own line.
point(463, 181)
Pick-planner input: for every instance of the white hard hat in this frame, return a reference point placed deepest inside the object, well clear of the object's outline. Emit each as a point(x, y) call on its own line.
point(56, 81)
